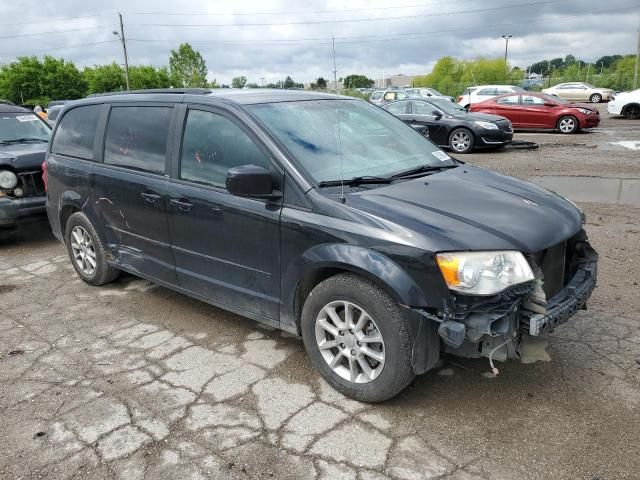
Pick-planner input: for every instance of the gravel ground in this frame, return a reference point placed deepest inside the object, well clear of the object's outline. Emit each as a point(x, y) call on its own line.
point(134, 381)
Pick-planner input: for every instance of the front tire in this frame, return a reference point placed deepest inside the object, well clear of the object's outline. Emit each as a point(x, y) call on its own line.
point(568, 124)
point(461, 140)
point(87, 253)
point(595, 98)
point(358, 338)
point(631, 112)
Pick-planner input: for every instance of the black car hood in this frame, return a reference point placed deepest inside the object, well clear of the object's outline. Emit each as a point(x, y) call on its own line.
point(473, 116)
point(23, 156)
point(469, 208)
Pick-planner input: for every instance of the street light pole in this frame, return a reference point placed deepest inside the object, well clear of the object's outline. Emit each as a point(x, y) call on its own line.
point(506, 51)
point(124, 47)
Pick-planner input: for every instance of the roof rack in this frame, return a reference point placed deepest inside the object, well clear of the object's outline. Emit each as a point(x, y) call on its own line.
point(178, 91)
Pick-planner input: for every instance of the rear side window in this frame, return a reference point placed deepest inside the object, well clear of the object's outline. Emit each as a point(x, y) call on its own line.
point(213, 144)
point(398, 108)
point(137, 138)
point(487, 91)
point(76, 132)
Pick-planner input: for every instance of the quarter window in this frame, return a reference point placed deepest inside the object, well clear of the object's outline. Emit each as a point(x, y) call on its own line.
point(76, 132)
point(137, 138)
point(213, 144)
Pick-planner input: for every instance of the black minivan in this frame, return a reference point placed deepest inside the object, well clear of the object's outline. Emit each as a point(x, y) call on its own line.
point(321, 215)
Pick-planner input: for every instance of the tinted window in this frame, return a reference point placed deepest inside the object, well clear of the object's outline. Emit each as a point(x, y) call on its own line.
point(76, 132)
point(510, 100)
point(423, 108)
point(400, 95)
point(213, 144)
point(532, 100)
point(398, 108)
point(487, 91)
point(137, 137)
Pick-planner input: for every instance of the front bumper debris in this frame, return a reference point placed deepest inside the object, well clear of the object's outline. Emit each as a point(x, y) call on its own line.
point(14, 211)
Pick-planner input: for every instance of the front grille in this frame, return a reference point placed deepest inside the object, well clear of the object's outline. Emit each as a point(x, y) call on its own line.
point(31, 183)
point(505, 126)
point(558, 265)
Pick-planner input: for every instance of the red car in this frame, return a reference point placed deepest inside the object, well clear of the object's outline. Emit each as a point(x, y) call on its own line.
point(540, 111)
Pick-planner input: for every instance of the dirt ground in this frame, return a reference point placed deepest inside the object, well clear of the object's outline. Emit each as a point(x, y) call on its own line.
point(132, 381)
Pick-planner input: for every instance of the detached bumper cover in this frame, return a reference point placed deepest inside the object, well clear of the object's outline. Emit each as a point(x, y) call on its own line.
point(19, 210)
point(570, 299)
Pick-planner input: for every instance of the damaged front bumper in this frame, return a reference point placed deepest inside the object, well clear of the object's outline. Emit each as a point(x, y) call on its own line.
point(504, 326)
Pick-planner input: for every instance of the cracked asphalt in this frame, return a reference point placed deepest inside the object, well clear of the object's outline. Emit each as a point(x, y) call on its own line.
point(133, 381)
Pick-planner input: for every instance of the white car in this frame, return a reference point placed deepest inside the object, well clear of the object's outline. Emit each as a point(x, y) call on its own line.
point(580, 92)
point(484, 92)
point(626, 104)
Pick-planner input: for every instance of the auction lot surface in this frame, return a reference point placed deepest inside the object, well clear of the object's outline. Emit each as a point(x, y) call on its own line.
point(134, 381)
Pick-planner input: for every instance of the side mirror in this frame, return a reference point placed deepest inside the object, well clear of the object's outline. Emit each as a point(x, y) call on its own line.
point(549, 104)
point(437, 114)
point(251, 181)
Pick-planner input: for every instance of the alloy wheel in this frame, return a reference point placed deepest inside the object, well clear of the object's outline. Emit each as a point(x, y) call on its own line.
point(84, 254)
point(567, 125)
point(460, 141)
point(350, 342)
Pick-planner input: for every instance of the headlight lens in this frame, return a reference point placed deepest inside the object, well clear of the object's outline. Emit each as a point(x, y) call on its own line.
point(483, 273)
point(585, 111)
point(487, 125)
point(8, 180)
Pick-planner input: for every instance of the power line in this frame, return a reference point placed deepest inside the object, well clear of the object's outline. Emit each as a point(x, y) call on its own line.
point(58, 48)
point(52, 31)
point(382, 37)
point(353, 20)
point(299, 12)
point(49, 20)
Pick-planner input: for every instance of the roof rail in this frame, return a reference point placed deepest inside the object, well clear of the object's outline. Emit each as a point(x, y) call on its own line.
point(185, 91)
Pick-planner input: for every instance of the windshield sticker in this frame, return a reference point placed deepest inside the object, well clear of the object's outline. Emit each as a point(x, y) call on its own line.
point(27, 118)
point(440, 155)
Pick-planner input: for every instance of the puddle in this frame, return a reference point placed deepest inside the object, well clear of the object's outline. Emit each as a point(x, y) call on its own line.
point(621, 191)
point(622, 144)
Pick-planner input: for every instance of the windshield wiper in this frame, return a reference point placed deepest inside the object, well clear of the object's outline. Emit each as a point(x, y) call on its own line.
point(421, 169)
point(364, 180)
point(23, 140)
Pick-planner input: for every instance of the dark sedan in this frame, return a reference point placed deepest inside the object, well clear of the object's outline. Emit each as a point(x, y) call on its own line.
point(450, 125)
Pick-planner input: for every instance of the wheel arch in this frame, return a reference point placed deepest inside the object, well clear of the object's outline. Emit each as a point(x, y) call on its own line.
point(326, 261)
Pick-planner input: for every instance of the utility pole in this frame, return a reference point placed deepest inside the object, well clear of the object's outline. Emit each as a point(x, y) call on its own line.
point(506, 51)
point(335, 70)
point(635, 72)
point(262, 78)
point(124, 47)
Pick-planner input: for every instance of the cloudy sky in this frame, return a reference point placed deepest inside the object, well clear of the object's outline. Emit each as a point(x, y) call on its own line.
point(275, 38)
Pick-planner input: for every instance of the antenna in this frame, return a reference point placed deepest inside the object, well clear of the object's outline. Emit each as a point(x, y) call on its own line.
point(335, 82)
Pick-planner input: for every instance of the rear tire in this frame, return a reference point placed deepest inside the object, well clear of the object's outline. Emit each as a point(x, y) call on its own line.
point(342, 320)
point(461, 140)
point(631, 112)
point(86, 251)
point(568, 124)
point(595, 98)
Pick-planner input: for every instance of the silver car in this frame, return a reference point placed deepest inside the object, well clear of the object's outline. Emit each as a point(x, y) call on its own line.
point(380, 97)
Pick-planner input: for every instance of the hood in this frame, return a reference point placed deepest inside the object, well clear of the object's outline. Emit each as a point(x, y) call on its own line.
point(23, 156)
point(581, 105)
point(477, 116)
point(469, 208)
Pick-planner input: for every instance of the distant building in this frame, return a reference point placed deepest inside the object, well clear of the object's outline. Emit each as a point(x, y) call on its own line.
point(398, 80)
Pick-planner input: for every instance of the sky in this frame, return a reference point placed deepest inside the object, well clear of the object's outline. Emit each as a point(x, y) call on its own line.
point(269, 39)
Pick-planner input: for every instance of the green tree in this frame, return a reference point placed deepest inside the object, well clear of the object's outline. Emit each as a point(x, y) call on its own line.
point(214, 84)
point(187, 67)
point(147, 76)
point(357, 81)
point(239, 82)
point(288, 82)
point(104, 78)
point(321, 83)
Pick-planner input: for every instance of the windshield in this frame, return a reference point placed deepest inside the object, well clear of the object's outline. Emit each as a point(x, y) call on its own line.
point(17, 126)
point(368, 140)
point(554, 99)
point(447, 106)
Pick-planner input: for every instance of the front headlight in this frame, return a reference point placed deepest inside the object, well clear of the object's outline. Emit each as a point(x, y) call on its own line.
point(487, 125)
point(8, 180)
point(483, 273)
point(585, 111)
